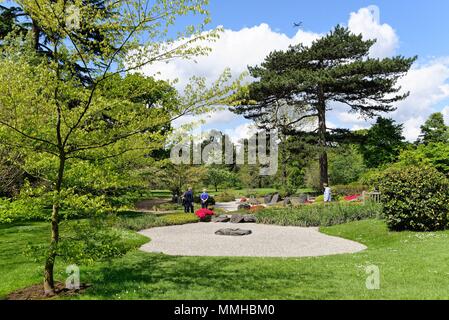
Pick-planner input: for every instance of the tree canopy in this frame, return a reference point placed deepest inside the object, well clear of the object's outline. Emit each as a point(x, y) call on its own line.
point(434, 130)
point(311, 80)
point(382, 143)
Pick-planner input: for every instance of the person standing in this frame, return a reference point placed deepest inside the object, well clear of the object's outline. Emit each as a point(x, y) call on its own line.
point(327, 193)
point(188, 201)
point(204, 197)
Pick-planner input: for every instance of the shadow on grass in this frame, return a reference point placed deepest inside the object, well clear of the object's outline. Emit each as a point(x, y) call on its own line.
point(158, 276)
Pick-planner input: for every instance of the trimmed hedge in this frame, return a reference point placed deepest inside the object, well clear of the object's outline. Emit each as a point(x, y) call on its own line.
point(225, 196)
point(319, 214)
point(348, 190)
point(415, 198)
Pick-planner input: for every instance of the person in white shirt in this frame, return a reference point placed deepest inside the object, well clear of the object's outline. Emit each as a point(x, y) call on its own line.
point(327, 193)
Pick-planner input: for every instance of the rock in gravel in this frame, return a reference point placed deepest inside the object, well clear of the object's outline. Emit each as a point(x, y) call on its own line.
point(233, 232)
point(221, 218)
point(249, 218)
point(244, 206)
point(237, 218)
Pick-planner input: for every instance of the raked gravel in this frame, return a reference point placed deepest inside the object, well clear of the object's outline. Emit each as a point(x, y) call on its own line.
point(199, 239)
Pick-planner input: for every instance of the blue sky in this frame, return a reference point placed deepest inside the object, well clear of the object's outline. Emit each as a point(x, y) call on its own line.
point(423, 26)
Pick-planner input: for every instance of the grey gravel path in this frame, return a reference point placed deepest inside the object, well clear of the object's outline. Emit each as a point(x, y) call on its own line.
point(199, 239)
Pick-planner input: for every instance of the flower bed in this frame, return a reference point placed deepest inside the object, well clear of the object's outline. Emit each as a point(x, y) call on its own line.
point(204, 214)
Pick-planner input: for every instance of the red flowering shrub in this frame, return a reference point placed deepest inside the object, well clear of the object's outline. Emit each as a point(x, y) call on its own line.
point(203, 213)
point(352, 198)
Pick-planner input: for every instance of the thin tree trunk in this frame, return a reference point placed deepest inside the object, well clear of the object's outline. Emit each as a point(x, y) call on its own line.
point(324, 179)
point(36, 35)
point(49, 286)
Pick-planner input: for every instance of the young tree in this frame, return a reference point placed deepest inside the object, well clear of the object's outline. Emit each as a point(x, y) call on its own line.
point(218, 177)
point(382, 143)
point(434, 130)
point(334, 69)
point(49, 111)
point(346, 165)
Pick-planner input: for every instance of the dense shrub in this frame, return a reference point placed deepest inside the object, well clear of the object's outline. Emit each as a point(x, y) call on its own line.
point(415, 198)
point(138, 221)
point(319, 214)
point(225, 196)
point(348, 190)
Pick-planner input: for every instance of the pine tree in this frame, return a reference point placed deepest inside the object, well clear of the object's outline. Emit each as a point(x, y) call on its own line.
point(310, 80)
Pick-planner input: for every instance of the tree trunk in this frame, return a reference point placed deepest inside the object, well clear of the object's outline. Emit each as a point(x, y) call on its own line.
point(324, 179)
point(284, 161)
point(36, 35)
point(49, 286)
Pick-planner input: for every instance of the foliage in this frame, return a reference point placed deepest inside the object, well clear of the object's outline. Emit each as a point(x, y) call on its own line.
point(139, 221)
point(87, 241)
point(219, 177)
point(225, 196)
point(319, 214)
point(61, 114)
point(203, 213)
point(415, 198)
point(347, 190)
point(176, 177)
point(433, 154)
point(345, 165)
point(312, 175)
point(382, 143)
point(434, 130)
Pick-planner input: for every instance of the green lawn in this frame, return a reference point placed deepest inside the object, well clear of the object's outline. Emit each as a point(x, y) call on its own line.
point(412, 266)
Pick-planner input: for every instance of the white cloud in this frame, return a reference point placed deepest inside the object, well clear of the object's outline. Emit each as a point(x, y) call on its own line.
point(366, 21)
point(445, 113)
point(234, 49)
point(428, 85)
point(241, 132)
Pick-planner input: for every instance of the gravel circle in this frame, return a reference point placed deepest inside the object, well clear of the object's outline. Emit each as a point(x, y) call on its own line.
point(199, 239)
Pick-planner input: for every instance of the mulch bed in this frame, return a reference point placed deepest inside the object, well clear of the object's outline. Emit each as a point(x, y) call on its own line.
point(36, 292)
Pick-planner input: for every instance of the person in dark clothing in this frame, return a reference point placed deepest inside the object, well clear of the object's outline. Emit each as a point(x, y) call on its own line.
point(188, 201)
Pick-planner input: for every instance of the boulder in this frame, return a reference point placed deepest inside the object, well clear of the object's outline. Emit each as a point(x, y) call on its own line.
point(221, 218)
point(237, 218)
point(249, 218)
point(244, 206)
point(232, 232)
point(267, 198)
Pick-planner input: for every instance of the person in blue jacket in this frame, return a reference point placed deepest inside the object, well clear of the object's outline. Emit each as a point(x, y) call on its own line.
point(204, 197)
point(188, 200)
